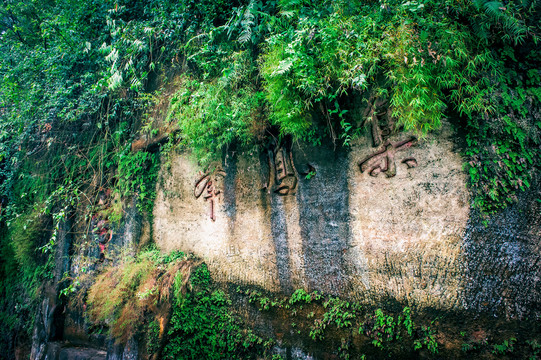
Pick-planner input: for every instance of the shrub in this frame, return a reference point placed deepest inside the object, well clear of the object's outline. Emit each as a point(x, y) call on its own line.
point(202, 326)
point(124, 295)
point(27, 234)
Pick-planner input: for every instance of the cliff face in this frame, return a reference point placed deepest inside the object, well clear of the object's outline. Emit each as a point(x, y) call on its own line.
point(370, 223)
point(381, 225)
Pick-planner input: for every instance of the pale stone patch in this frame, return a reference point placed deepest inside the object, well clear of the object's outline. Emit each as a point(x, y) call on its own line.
point(236, 250)
point(406, 230)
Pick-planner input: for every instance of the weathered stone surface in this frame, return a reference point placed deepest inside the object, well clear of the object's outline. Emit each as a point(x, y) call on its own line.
point(86, 265)
point(129, 351)
point(63, 351)
point(501, 260)
point(323, 206)
point(374, 224)
point(407, 229)
point(369, 227)
point(49, 320)
point(238, 244)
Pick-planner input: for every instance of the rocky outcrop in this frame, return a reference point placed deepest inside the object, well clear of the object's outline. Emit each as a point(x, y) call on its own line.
point(376, 224)
point(49, 321)
point(385, 224)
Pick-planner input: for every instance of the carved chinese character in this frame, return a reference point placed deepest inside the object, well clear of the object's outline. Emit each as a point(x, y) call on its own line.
point(378, 117)
point(232, 250)
point(282, 175)
point(383, 161)
point(206, 186)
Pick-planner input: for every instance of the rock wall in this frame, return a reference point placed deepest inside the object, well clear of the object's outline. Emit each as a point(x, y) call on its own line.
point(50, 317)
point(61, 330)
point(375, 224)
point(407, 229)
point(501, 261)
point(370, 223)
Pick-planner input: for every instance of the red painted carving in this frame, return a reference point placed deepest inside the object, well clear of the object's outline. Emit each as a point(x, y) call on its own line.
point(383, 160)
point(206, 186)
point(282, 175)
point(410, 162)
point(102, 229)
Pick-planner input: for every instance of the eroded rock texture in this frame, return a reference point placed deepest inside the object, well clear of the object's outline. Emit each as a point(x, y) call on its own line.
point(379, 222)
point(501, 269)
point(372, 222)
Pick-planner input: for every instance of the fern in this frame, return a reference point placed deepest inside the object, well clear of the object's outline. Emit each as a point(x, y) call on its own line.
point(504, 16)
point(247, 23)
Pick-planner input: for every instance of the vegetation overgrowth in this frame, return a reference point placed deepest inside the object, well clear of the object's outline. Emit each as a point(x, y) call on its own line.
point(123, 296)
point(171, 302)
point(79, 80)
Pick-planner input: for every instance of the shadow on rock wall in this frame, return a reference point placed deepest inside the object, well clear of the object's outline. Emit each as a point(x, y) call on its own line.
point(502, 273)
point(324, 216)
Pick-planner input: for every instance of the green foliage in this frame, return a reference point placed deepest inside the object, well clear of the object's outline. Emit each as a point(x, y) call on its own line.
point(316, 314)
point(123, 296)
point(75, 81)
point(153, 333)
point(535, 349)
point(202, 326)
point(413, 53)
point(201, 276)
point(137, 175)
point(22, 275)
point(79, 77)
point(505, 347)
point(214, 115)
point(504, 149)
point(26, 235)
point(301, 296)
point(388, 330)
point(310, 174)
point(421, 58)
point(343, 350)
point(383, 329)
point(340, 312)
point(406, 320)
point(427, 340)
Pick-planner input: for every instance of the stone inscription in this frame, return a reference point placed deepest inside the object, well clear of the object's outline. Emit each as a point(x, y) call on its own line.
point(283, 176)
point(206, 186)
point(383, 160)
point(379, 118)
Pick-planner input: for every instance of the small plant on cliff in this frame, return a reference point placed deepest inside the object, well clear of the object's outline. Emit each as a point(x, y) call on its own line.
point(507, 346)
point(343, 349)
point(405, 319)
point(340, 312)
point(153, 337)
point(535, 349)
point(300, 295)
point(383, 329)
point(393, 334)
point(428, 340)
